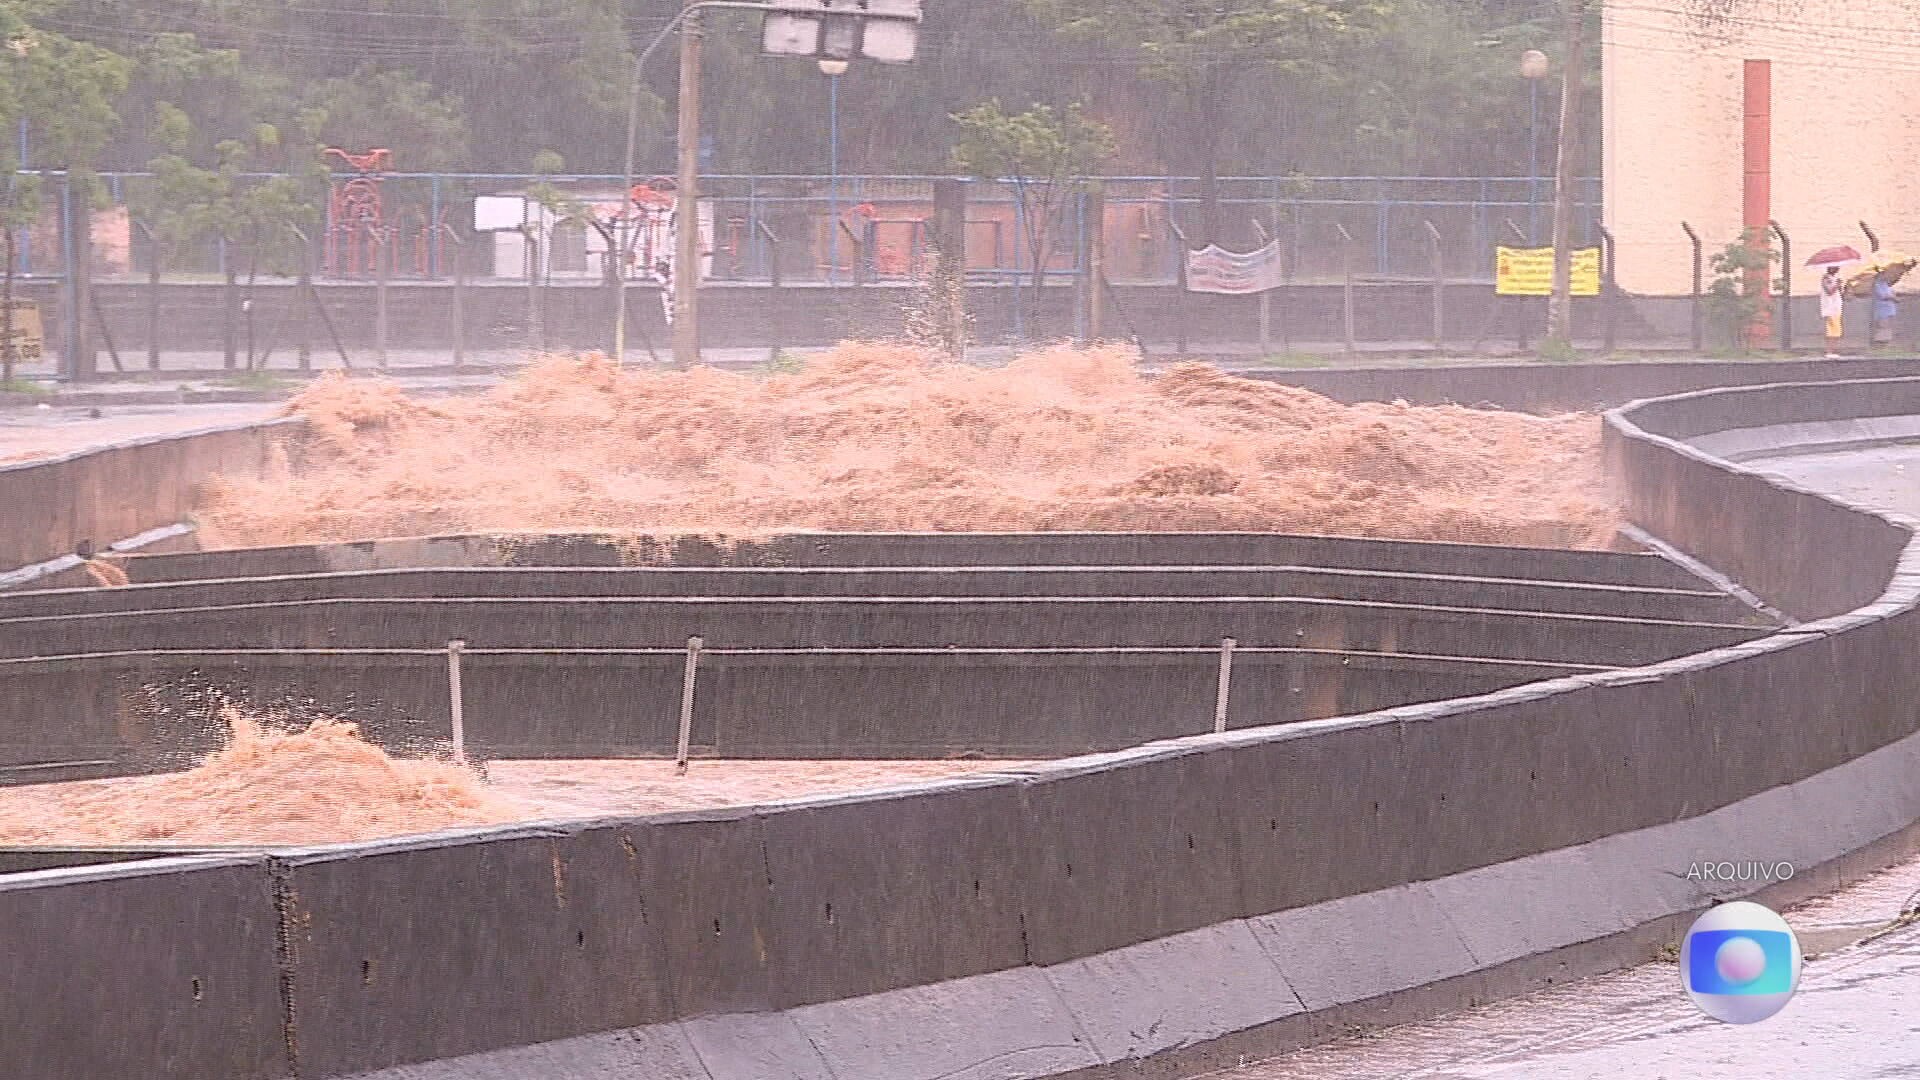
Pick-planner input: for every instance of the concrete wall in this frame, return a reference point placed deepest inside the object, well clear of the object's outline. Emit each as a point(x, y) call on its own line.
point(105, 495)
point(823, 550)
point(194, 318)
point(1683, 601)
point(1844, 133)
point(1043, 918)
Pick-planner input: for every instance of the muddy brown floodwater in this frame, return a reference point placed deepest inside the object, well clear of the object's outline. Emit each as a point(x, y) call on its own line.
point(884, 438)
point(324, 784)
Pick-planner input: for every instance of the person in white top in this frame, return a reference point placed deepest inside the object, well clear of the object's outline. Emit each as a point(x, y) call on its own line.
point(1833, 304)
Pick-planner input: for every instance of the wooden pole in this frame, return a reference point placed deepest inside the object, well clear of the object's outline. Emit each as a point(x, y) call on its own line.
point(1560, 304)
point(686, 207)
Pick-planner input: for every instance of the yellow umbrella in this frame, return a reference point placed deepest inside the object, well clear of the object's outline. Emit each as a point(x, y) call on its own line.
point(1892, 264)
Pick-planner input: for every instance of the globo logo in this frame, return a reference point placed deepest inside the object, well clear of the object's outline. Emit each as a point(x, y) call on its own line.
point(1740, 963)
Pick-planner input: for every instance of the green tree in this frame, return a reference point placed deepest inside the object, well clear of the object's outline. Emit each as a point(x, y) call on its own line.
point(1732, 303)
point(386, 107)
point(64, 90)
point(1043, 153)
point(264, 218)
point(1190, 47)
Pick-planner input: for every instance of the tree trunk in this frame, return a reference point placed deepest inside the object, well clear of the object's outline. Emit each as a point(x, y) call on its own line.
point(246, 302)
point(1560, 304)
point(6, 316)
point(84, 359)
point(1209, 224)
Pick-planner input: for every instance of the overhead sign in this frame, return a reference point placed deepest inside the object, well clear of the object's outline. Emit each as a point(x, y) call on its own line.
point(1529, 271)
point(1215, 270)
point(885, 31)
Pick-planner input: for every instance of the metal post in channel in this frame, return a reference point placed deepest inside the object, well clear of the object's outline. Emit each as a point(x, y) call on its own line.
point(1226, 685)
point(686, 704)
point(454, 649)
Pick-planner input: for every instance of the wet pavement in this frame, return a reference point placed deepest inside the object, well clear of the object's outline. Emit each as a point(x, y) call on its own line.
point(62, 429)
point(1856, 1016)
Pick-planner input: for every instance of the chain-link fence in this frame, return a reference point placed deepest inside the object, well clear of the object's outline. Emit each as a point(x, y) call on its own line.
point(840, 230)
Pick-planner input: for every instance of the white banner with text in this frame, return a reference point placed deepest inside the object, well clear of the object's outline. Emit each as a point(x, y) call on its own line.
point(1215, 270)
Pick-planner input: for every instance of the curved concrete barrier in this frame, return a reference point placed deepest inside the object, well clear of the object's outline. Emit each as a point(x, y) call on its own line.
point(1167, 906)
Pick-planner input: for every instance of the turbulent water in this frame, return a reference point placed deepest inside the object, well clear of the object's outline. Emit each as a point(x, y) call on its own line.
point(318, 784)
point(867, 437)
point(885, 438)
point(322, 783)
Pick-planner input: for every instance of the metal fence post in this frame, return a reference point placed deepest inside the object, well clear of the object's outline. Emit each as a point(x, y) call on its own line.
point(456, 700)
point(1180, 287)
point(230, 308)
point(153, 295)
point(1266, 299)
point(859, 254)
point(1698, 326)
point(1609, 288)
point(1346, 288)
point(1786, 285)
point(1520, 302)
point(773, 282)
point(383, 269)
point(1439, 287)
point(686, 703)
point(460, 297)
point(1226, 685)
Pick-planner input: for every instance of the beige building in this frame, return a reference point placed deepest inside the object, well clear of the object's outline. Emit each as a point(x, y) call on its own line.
point(1845, 133)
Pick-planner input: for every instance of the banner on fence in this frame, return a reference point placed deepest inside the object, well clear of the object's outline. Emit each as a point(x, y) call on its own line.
point(1529, 271)
point(1214, 270)
point(29, 338)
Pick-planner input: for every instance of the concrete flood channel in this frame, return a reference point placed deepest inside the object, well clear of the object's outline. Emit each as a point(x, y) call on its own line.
point(1177, 900)
point(1855, 1013)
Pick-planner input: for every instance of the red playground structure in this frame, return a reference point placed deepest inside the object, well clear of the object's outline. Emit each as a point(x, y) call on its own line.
point(356, 217)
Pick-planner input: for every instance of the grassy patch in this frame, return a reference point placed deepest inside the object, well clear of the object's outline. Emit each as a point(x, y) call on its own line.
point(25, 386)
point(255, 380)
point(1555, 351)
point(782, 362)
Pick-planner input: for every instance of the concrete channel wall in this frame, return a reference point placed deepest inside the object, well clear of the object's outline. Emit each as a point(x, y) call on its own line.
point(1536, 387)
point(83, 686)
point(1246, 891)
point(51, 507)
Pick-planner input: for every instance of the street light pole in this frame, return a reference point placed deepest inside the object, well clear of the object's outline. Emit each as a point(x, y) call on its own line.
point(1560, 304)
point(890, 41)
point(1533, 68)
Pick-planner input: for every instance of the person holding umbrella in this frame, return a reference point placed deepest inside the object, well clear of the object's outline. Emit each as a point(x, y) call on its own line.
point(1885, 307)
point(1833, 306)
point(1877, 280)
point(1833, 292)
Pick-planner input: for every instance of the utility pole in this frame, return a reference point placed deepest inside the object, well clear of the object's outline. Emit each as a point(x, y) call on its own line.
point(885, 31)
point(686, 206)
point(1560, 304)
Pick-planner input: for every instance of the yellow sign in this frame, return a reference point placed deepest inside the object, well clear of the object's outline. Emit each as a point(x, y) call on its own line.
point(1529, 271)
point(27, 336)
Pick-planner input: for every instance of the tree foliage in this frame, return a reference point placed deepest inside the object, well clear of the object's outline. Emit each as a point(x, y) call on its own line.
point(1258, 86)
point(1043, 152)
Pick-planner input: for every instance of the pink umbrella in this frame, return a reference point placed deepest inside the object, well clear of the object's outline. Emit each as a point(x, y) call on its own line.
point(1834, 256)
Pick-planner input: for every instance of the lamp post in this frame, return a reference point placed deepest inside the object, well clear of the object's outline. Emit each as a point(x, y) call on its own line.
point(833, 69)
point(1533, 68)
